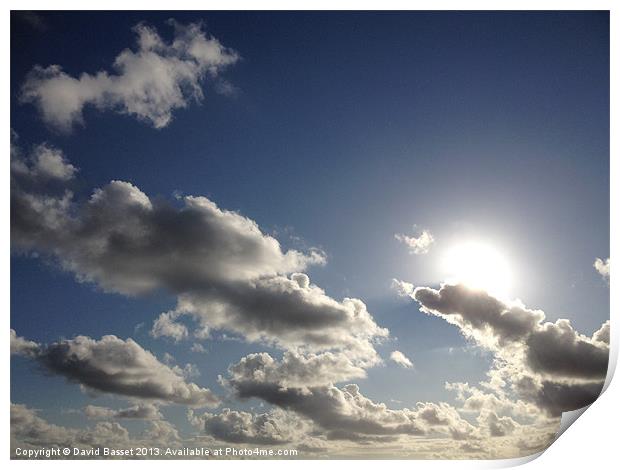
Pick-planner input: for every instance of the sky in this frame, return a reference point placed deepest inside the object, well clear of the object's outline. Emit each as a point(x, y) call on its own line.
point(173, 174)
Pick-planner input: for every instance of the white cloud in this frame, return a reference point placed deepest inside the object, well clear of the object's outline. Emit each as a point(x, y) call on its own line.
point(400, 359)
point(149, 82)
point(418, 245)
point(22, 347)
point(402, 288)
point(602, 267)
point(166, 326)
point(302, 371)
point(43, 165)
point(148, 411)
point(198, 348)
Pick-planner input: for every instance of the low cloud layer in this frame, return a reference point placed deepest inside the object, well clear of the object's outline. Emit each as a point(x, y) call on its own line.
point(31, 431)
point(341, 413)
point(113, 365)
point(149, 82)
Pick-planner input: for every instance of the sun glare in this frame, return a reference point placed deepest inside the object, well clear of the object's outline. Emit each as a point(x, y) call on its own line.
point(480, 266)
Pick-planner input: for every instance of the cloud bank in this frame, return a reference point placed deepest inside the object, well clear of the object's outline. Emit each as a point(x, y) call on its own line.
point(341, 413)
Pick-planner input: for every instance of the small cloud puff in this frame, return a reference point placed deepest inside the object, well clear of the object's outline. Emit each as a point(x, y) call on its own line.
point(602, 267)
point(400, 359)
point(418, 245)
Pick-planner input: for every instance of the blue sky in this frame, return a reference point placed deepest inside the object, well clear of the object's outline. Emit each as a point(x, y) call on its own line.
point(344, 129)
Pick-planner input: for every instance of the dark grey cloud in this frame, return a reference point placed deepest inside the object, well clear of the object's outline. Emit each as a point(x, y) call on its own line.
point(288, 312)
point(552, 349)
point(125, 243)
point(149, 82)
point(549, 364)
point(556, 349)
point(122, 367)
point(226, 273)
point(557, 397)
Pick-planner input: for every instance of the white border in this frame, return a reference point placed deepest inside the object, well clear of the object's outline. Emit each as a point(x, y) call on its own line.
point(592, 443)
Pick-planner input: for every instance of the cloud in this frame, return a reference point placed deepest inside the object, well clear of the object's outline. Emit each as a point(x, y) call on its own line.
point(301, 371)
point(198, 348)
point(495, 425)
point(122, 367)
point(402, 288)
point(400, 359)
point(239, 427)
point(149, 82)
point(32, 18)
point(288, 312)
point(124, 242)
point(23, 347)
point(31, 432)
point(602, 267)
point(602, 334)
point(541, 358)
point(342, 413)
point(226, 273)
point(166, 326)
point(27, 425)
point(418, 245)
point(43, 165)
point(147, 411)
point(474, 399)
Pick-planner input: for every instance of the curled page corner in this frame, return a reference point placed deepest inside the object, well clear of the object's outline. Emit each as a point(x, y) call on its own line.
point(568, 418)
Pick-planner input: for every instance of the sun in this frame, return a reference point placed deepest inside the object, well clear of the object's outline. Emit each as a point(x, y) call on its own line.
point(478, 265)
